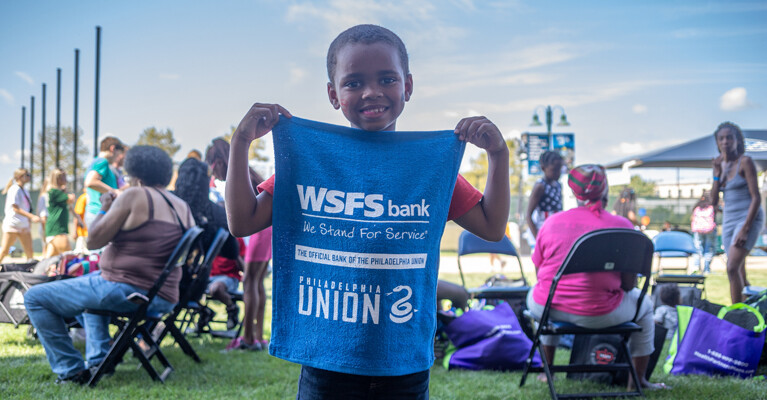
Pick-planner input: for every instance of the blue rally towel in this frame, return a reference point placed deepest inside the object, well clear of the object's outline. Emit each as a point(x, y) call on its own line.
point(358, 217)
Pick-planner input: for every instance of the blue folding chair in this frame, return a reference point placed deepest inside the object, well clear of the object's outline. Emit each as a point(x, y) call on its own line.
point(674, 244)
point(468, 243)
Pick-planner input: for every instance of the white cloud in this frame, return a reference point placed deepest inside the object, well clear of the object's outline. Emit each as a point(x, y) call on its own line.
point(695, 33)
point(169, 76)
point(735, 99)
point(7, 96)
point(583, 96)
point(5, 159)
point(639, 109)
point(296, 75)
point(427, 29)
point(25, 77)
point(625, 149)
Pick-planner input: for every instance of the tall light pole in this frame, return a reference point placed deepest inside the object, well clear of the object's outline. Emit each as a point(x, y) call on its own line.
point(549, 112)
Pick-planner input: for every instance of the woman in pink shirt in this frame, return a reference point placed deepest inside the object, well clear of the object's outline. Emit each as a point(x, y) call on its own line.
point(593, 300)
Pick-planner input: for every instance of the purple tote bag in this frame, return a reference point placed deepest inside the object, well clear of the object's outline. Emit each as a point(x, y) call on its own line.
point(489, 339)
point(713, 346)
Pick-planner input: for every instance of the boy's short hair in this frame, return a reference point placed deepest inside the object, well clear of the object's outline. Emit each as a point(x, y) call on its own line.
point(110, 141)
point(669, 294)
point(366, 34)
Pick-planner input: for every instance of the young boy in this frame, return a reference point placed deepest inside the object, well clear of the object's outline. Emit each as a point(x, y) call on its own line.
point(370, 83)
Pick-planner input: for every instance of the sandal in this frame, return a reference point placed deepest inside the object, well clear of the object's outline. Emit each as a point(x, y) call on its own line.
point(657, 386)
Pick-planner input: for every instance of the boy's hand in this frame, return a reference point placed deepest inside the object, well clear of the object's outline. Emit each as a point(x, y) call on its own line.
point(259, 120)
point(482, 133)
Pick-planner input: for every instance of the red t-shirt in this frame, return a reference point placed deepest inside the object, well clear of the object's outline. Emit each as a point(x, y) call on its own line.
point(464, 197)
point(227, 266)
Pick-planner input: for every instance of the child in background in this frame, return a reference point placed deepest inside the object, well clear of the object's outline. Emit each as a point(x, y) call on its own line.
point(225, 277)
point(370, 83)
point(546, 197)
point(666, 314)
point(703, 226)
point(81, 231)
point(57, 223)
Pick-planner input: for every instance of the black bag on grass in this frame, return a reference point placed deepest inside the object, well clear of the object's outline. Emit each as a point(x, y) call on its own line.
point(605, 350)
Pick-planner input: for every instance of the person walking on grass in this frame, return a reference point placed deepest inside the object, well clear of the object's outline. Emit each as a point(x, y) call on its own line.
point(57, 223)
point(18, 215)
point(743, 217)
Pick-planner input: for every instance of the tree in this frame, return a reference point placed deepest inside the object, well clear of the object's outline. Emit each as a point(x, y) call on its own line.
point(159, 138)
point(641, 187)
point(66, 153)
point(477, 175)
point(257, 147)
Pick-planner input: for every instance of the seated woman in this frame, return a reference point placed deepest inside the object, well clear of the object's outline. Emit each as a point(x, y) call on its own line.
point(192, 187)
point(140, 229)
point(594, 300)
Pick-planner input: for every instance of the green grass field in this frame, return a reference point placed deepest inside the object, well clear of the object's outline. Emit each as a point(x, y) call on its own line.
point(24, 372)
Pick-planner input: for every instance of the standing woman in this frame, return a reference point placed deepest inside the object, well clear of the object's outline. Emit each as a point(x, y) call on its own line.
point(743, 218)
point(257, 258)
point(57, 224)
point(18, 214)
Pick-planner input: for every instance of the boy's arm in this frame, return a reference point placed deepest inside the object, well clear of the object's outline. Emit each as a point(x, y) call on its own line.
point(488, 218)
point(247, 213)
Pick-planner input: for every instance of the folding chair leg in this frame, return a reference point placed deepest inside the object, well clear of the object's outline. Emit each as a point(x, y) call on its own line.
point(115, 353)
point(181, 341)
point(529, 362)
point(632, 369)
point(155, 351)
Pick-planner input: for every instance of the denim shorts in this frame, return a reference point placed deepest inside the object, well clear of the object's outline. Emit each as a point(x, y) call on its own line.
point(231, 284)
point(316, 384)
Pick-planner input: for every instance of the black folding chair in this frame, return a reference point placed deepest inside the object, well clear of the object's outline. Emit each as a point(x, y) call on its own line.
point(131, 325)
point(199, 273)
point(468, 243)
point(616, 250)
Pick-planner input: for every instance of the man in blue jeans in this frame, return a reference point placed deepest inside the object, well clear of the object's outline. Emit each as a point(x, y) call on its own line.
point(138, 231)
point(49, 304)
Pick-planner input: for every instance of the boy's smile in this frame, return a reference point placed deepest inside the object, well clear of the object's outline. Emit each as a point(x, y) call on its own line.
point(370, 86)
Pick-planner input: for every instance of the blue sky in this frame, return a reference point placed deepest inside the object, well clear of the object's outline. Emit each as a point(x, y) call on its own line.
point(631, 76)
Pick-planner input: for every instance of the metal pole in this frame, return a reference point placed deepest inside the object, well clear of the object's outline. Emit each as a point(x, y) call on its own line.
point(96, 98)
point(42, 142)
point(23, 132)
point(77, 88)
point(549, 115)
point(58, 116)
point(31, 141)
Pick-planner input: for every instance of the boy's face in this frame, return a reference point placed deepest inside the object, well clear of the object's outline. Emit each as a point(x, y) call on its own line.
point(370, 86)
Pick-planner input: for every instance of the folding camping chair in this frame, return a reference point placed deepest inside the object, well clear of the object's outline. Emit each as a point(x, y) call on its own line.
point(468, 243)
point(13, 285)
point(199, 273)
point(131, 325)
point(675, 244)
point(617, 250)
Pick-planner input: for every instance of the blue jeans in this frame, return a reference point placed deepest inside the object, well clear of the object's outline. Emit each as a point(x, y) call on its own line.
point(319, 384)
point(704, 243)
point(48, 304)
